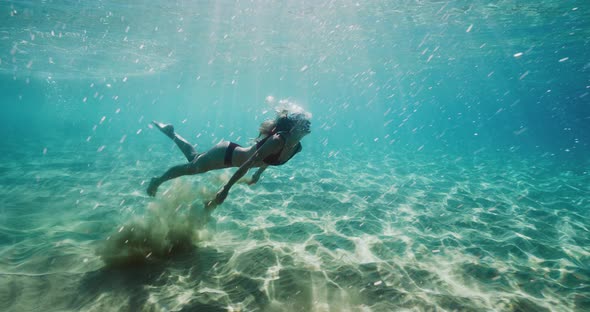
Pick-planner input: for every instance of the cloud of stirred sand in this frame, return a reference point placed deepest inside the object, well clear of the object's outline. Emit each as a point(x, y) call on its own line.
point(174, 222)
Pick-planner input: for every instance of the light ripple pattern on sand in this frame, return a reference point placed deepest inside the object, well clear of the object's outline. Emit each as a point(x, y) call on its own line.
point(397, 232)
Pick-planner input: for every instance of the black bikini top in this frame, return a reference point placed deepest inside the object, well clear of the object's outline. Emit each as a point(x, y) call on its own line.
point(273, 160)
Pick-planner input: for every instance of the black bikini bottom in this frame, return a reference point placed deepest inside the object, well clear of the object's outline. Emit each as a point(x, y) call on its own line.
point(229, 153)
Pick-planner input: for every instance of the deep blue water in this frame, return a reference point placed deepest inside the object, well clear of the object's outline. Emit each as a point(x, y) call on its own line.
point(447, 168)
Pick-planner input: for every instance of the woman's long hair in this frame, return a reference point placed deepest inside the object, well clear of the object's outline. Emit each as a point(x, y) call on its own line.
point(272, 126)
point(289, 116)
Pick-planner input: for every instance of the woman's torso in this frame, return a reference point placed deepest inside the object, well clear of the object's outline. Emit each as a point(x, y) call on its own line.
point(242, 154)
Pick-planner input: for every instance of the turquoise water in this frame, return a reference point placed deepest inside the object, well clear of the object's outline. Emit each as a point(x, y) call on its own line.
point(447, 168)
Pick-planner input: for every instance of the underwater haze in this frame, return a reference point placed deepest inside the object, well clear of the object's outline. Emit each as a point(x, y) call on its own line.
point(447, 168)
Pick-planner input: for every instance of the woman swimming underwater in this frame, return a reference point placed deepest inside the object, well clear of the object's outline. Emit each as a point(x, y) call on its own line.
point(278, 141)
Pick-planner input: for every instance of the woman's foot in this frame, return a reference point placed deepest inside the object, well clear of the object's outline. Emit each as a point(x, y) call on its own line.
point(153, 187)
point(167, 129)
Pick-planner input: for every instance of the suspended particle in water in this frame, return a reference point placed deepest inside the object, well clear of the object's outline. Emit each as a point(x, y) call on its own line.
point(118, 111)
point(520, 131)
point(13, 50)
point(45, 151)
point(564, 59)
point(102, 119)
point(123, 139)
point(524, 75)
point(100, 149)
point(519, 54)
point(469, 28)
point(304, 68)
point(138, 131)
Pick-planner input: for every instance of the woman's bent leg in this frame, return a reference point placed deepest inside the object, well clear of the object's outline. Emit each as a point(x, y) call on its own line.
point(187, 149)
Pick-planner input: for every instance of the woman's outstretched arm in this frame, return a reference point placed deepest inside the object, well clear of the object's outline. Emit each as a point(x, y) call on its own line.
point(270, 147)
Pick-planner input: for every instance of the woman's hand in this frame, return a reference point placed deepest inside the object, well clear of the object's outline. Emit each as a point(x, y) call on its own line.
point(221, 195)
point(253, 180)
point(256, 175)
point(219, 199)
